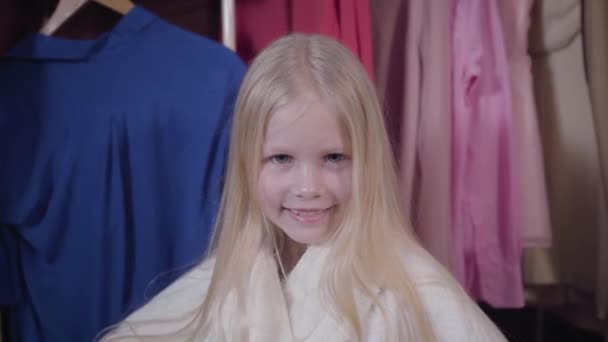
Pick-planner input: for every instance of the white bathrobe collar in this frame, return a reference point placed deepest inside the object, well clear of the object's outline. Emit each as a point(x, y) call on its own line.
point(292, 310)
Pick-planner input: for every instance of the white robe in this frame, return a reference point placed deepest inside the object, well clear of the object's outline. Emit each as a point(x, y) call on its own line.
point(292, 310)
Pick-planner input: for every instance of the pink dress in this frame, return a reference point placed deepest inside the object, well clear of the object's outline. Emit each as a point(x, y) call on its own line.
point(485, 217)
point(413, 78)
point(534, 208)
point(259, 22)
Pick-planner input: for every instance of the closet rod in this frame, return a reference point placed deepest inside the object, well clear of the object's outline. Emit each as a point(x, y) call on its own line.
point(228, 24)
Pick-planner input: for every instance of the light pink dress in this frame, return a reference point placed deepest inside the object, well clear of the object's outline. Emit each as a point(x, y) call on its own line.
point(413, 77)
point(534, 205)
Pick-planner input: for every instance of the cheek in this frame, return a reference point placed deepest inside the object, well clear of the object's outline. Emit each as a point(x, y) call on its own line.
point(345, 190)
point(268, 190)
point(341, 185)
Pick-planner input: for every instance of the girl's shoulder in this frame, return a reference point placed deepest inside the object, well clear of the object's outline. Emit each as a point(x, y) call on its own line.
point(453, 315)
point(172, 308)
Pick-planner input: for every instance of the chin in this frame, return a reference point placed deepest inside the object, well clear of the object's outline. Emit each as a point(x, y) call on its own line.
point(307, 239)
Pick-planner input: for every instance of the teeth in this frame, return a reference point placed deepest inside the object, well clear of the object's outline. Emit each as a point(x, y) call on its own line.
point(307, 212)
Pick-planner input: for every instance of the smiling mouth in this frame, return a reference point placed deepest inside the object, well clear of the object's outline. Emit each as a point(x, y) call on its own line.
point(308, 215)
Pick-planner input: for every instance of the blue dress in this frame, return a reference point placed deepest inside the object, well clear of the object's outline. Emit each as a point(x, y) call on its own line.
point(112, 153)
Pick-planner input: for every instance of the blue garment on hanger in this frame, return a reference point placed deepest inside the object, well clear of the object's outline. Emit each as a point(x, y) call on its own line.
point(112, 153)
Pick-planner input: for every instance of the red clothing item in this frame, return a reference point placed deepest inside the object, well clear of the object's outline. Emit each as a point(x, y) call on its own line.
point(259, 22)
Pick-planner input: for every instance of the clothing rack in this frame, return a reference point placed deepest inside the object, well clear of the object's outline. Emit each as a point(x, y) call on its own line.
point(228, 24)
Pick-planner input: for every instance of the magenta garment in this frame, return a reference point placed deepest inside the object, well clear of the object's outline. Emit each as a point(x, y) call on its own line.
point(485, 231)
point(259, 22)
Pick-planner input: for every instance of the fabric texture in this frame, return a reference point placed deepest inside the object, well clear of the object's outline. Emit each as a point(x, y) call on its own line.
point(570, 148)
point(485, 211)
point(413, 79)
point(595, 35)
point(115, 150)
point(345, 20)
point(531, 190)
point(293, 310)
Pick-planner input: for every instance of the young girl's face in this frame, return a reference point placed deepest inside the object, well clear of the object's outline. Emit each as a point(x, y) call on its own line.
point(305, 178)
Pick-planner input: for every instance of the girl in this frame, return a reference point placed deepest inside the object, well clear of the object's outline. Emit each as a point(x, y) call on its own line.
point(311, 243)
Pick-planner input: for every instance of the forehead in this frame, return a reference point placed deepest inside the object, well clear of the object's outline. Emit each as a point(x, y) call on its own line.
point(306, 121)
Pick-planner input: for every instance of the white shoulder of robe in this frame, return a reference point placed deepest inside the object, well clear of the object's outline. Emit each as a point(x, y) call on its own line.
point(453, 315)
point(171, 309)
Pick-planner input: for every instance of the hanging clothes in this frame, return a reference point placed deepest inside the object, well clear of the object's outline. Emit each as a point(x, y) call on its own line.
point(569, 145)
point(254, 30)
point(412, 68)
point(531, 190)
point(345, 20)
point(485, 215)
point(10, 287)
point(112, 154)
point(595, 35)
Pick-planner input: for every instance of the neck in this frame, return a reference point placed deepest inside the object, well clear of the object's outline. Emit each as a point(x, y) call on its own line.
point(291, 254)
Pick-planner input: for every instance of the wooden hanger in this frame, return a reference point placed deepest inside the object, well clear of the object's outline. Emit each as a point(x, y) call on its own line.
point(66, 8)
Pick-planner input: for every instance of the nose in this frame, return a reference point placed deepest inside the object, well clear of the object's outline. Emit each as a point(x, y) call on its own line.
point(307, 183)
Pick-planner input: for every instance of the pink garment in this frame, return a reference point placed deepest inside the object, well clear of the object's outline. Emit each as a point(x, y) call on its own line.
point(532, 189)
point(432, 182)
point(413, 77)
point(259, 22)
point(487, 246)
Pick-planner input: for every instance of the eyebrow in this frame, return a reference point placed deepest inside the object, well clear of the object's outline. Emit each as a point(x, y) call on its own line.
point(341, 148)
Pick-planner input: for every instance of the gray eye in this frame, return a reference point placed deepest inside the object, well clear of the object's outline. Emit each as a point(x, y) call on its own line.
point(335, 157)
point(281, 159)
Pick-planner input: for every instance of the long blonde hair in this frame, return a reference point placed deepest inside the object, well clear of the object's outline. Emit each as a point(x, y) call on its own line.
point(367, 247)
